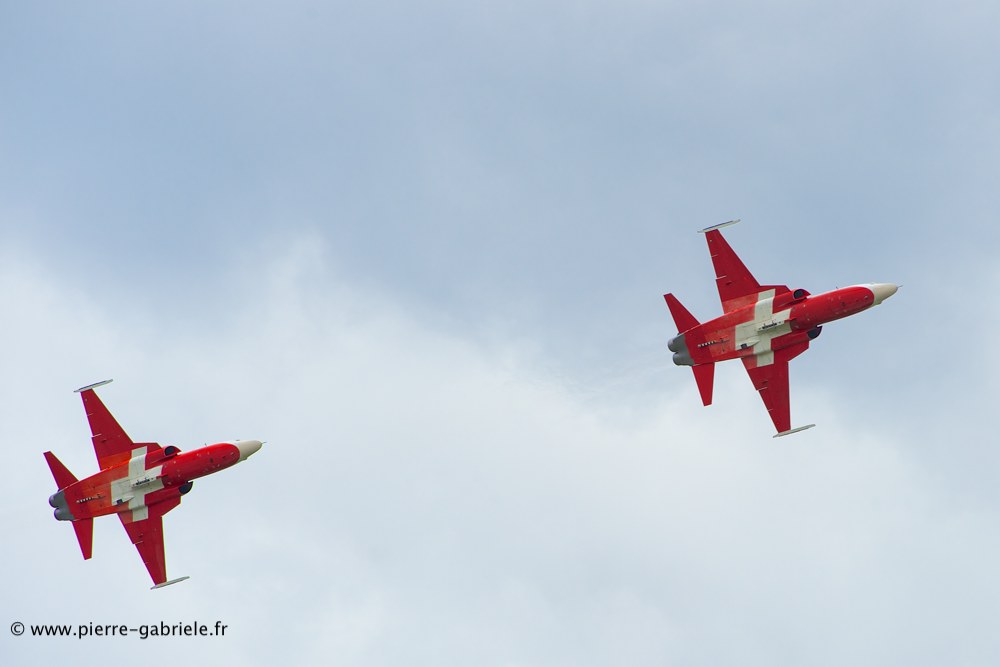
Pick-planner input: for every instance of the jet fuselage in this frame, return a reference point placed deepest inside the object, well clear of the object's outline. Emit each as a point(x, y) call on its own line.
point(767, 323)
point(145, 478)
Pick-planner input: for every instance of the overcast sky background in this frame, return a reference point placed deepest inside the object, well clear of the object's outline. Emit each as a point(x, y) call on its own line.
point(420, 249)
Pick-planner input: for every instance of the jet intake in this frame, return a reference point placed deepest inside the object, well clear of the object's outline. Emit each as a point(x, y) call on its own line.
point(815, 332)
point(787, 299)
point(185, 487)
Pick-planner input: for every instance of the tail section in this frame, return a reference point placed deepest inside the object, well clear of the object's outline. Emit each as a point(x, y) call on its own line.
point(704, 374)
point(84, 528)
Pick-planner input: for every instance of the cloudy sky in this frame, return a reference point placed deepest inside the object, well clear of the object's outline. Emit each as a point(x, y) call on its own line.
point(420, 249)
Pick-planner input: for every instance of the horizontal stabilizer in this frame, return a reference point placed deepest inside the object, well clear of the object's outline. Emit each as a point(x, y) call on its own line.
point(62, 476)
point(167, 583)
point(682, 318)
point(84, 529)
point(704, 375)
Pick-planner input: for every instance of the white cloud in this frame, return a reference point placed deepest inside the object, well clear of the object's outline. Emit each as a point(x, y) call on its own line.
point(423, 498)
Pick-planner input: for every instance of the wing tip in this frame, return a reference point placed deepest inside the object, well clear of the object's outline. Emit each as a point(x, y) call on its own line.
point(718, 226)
point(167, 583)
point(792, 430)
point(93, 386)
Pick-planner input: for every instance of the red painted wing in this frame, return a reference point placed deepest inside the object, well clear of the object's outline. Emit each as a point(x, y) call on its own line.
point(111, 442)
point(737, 286)
point(147, 536)
point(771, 381)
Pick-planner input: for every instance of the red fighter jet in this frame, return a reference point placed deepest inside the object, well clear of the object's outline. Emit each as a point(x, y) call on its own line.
point(138, 481)
point(765, 326)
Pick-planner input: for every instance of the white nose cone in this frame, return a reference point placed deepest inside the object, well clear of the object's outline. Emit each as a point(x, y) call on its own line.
point(247, 447)
point(882, 291)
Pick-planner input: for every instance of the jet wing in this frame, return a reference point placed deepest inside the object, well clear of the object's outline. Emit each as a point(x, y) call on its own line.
point(147, 536)
point(737, 286)
point(771, 381)
point(111, 442)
